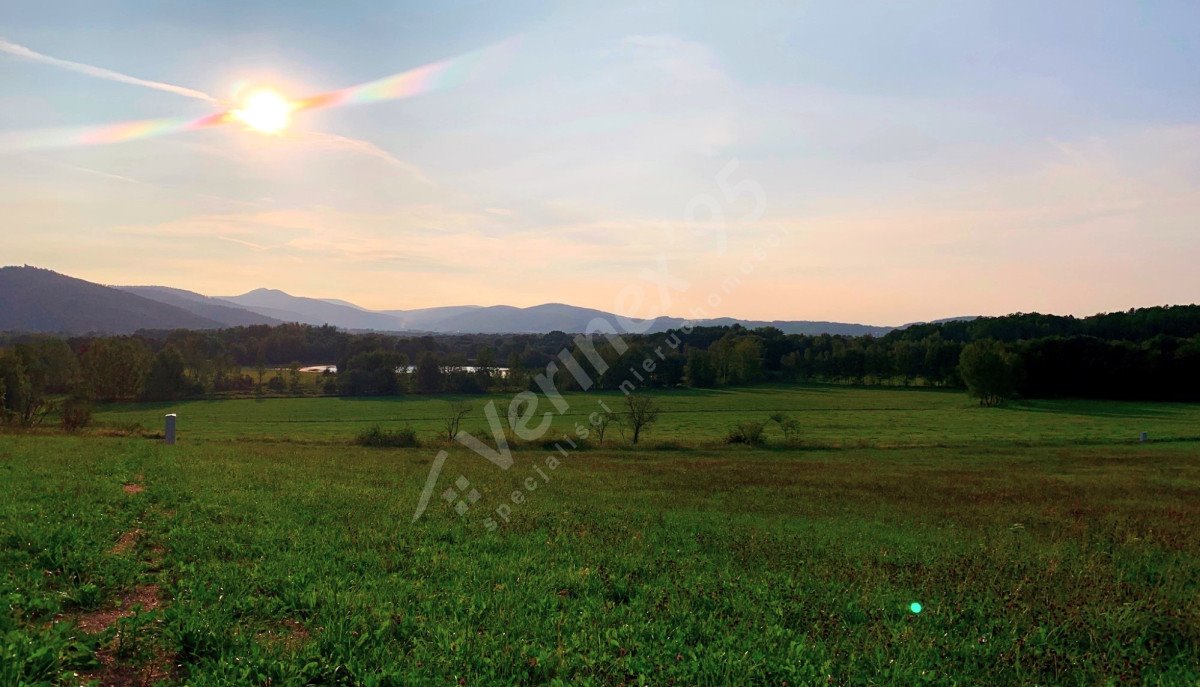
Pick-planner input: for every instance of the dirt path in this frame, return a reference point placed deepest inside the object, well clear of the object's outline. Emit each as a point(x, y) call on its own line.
point(144, 598)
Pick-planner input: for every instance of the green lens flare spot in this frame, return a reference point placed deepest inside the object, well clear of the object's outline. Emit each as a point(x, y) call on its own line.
point(915, 607)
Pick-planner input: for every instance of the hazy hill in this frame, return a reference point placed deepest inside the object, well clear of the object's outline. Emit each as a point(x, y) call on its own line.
point(315, 311)
point(425, 318)
point(508, 319)
point(32, 299)
point(227, 314)
point(548, 317)
point(38, 300)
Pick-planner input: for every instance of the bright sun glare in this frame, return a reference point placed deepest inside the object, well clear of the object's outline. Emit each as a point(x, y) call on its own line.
point(266, 111)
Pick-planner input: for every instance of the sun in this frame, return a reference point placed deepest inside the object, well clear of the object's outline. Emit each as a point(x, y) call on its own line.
point(265, 111)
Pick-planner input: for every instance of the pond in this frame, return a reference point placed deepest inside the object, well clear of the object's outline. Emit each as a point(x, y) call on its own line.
point(409, 369)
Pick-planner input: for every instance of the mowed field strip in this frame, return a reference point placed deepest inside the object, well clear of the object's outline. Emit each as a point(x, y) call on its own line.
point(830, 416)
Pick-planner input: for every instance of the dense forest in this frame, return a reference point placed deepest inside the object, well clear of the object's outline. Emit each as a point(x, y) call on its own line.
point(1151, 353)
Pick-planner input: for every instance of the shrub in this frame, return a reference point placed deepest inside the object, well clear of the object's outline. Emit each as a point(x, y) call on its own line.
point(789, 425)
point(378, 437)
point(76, 414)
point(747, 432)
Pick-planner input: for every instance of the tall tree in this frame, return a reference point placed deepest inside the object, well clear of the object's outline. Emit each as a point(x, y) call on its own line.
point(370, 374)
point(15, 405)
point(115, 368)
point(989, 371)
point(699, 370)
point(167, 378)
point(641, 411)
point(428, 374)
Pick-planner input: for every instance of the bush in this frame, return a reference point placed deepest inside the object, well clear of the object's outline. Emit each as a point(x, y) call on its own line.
point(789, 426)
point(750, 433)
point(378, 437)
point(76, 414)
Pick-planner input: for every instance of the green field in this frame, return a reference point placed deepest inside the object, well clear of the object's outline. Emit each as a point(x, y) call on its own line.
point(831, 417)
point(1044, 544)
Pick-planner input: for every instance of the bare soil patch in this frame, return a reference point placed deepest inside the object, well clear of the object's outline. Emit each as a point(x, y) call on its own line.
point(127, 541)
point(113, 673)
point(146, 596)
point(289, 634)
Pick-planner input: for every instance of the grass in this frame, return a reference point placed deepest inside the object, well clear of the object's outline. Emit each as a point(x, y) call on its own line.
point(1036, 560)
point(830, 416)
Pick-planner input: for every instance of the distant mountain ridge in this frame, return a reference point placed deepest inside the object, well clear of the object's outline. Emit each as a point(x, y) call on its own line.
point(496, 319)
point(39, 300)
point(314, 311)
point(214, 309)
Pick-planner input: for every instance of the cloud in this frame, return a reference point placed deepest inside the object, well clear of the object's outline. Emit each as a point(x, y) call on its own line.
point(336, 142)
point(100, 72)
point(248, 244)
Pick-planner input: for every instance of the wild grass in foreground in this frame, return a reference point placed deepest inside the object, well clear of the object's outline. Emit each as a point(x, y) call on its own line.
point(283, 564)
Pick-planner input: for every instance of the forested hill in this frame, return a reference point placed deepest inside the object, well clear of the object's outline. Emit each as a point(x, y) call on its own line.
point(1137, 325)
point(38, 300)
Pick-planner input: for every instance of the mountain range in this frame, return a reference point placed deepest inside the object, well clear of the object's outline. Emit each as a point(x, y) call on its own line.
point(39, 300)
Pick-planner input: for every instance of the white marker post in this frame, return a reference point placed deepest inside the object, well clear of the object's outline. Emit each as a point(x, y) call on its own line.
point(169, 434)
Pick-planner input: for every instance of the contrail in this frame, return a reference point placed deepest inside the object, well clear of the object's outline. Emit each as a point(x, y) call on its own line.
point(100, 72)
point(356, 145)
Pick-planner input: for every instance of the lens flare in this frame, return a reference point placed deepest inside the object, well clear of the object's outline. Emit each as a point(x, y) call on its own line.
point(265, 110)
point(915, 607)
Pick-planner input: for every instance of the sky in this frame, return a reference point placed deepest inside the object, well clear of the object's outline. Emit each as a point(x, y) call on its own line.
point(871, 162)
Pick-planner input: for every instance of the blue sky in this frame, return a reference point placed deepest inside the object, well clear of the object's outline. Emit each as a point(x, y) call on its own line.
point(923, 159)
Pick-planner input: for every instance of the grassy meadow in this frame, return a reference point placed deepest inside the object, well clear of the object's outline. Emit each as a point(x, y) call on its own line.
point(831, 417)
point(1043, 543)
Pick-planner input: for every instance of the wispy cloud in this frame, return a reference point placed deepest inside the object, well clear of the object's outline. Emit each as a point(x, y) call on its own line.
point(100, 72)
point(336, 142)
point(248, 244)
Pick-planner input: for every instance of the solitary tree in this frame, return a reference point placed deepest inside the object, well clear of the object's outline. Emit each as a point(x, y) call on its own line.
point(604, 420)
point(988, 370)
point(641, 412)
point(457, 411)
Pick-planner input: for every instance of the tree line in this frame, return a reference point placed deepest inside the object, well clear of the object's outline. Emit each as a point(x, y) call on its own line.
point(1150, 353)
